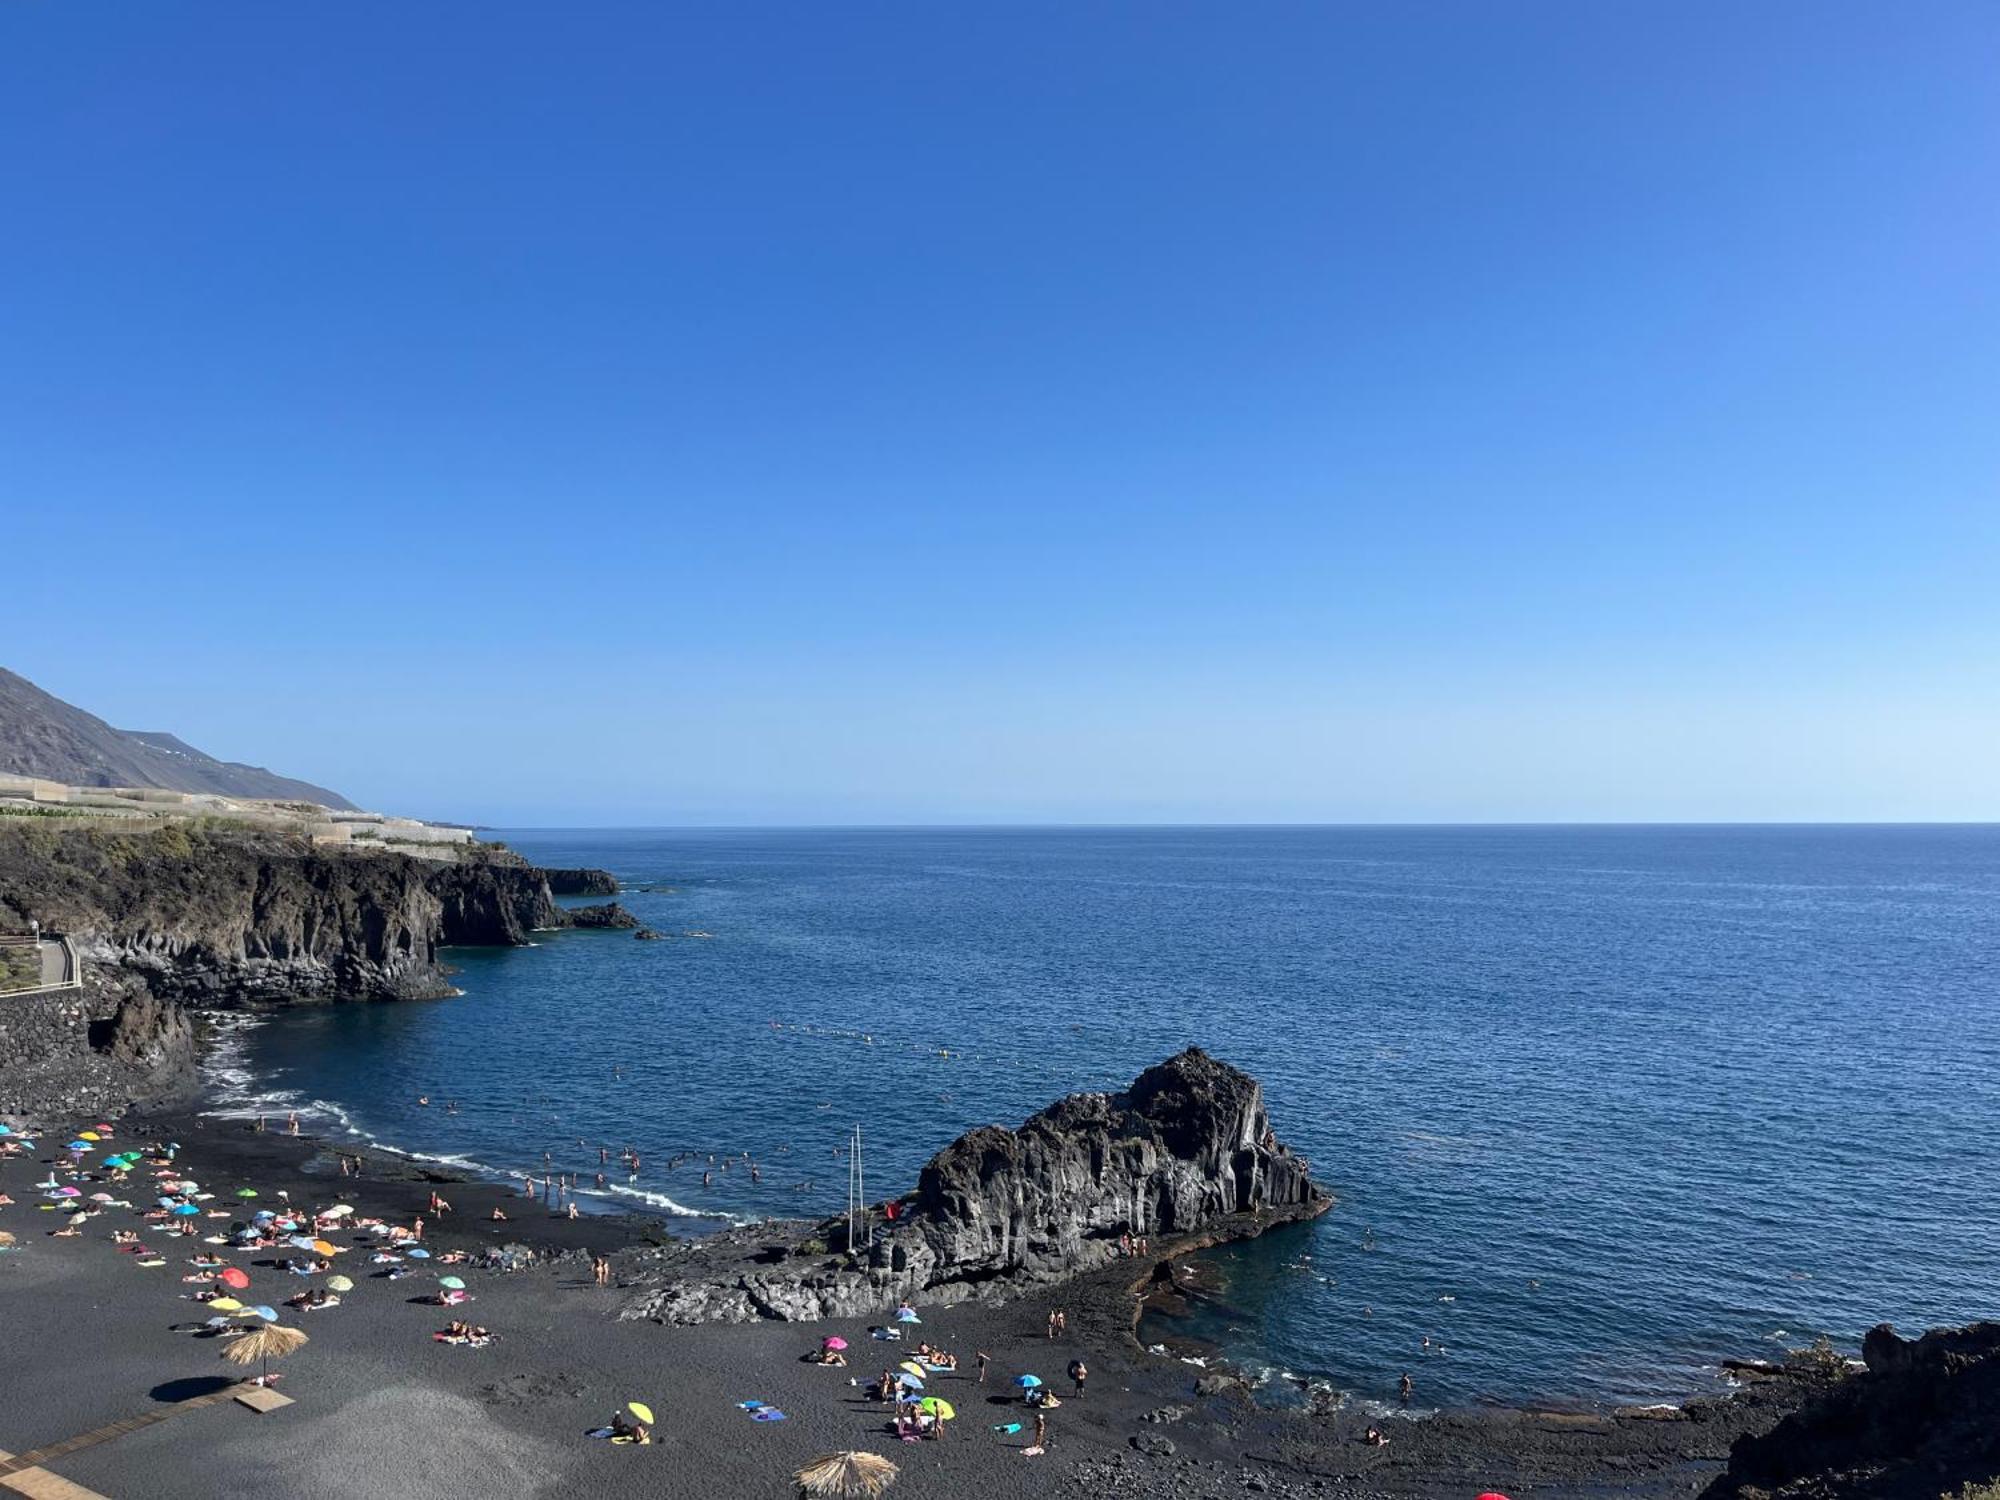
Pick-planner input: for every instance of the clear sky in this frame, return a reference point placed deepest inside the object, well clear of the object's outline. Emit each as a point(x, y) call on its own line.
point(626, 413)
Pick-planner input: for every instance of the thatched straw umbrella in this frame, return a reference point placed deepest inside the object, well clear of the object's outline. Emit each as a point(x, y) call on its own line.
point(846, 1474)
point(266, 1344)
point(6, 1238)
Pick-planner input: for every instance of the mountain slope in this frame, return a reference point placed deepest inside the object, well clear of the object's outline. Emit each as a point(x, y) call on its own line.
point(40, 735)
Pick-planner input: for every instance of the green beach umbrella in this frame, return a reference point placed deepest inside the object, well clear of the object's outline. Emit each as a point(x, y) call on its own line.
point(453, 1282)
point(246, 1192)
point(339, 1284)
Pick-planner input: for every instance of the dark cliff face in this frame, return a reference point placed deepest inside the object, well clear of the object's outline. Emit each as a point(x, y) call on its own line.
point(582, 882)
point(1185, 1154)
point(1920, 1422)
point(234, 917)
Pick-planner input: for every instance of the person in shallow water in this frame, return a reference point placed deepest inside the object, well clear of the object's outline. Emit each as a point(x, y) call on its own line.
point(1406, 1387)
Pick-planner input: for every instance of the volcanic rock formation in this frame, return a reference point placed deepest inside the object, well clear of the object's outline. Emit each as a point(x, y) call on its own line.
point(1922, 1421)
point(1186, 1154)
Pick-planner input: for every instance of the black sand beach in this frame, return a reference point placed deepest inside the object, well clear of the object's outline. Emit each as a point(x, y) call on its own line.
point(95, 1338)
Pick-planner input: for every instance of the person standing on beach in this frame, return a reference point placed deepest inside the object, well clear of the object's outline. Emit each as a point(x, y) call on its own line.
point(982, 1357)
point(1053, 1315)
point(1041, 1432)
point(1078, 1373)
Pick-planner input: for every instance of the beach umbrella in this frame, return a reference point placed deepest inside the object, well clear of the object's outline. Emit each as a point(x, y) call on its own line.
point(835, 1343)
point(182, 1210)
point(908, 1315)
point(339, 1284)
point(938, 1407)
point(263, 1214)
point(326, 1247)
point(100, 1198)
point(164, 1202)
point(906, 1379)
point(453, 1282)
point(270, 1342)
point(840, 1474)
point(640, 1410)
point(81, 1146)
point(418, 1254)
point(6, 1129)
point(246, 1192)
point(225, 1304)
point(339, 1211)
point(268, 1314)
point(914, 1368)
point(1028, 1382)
point(68, 1192)
point(234, 1276)
point(301, 1242)
point(6, 1238)
point(87, 1135)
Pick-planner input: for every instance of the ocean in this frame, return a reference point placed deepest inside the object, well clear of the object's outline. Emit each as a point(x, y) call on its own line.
point(1602, 1106)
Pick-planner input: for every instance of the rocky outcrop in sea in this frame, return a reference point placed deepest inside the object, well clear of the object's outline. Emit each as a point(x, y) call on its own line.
point(1185, 1155)
point(582, 882)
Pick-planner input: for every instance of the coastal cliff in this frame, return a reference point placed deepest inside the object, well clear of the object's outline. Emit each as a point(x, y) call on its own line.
point(1186, 1154)
point(222, 916)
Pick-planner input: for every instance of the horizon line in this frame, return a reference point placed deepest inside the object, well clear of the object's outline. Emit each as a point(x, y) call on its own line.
point(1210, 826)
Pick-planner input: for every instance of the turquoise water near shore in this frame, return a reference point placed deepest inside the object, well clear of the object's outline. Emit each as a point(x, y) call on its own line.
point(1602, 1105)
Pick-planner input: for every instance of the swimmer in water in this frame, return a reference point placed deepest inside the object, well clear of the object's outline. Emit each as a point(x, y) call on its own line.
point(424, 1099)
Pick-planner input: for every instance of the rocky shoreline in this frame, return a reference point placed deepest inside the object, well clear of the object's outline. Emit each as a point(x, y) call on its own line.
point(1162, 1427)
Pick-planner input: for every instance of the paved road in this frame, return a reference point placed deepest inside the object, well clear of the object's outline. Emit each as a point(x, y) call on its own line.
point(56, 962)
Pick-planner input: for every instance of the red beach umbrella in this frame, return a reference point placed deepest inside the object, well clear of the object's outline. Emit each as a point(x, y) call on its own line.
point(234, 1276)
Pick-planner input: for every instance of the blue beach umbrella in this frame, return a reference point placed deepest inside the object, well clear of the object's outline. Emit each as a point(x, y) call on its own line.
point(184, 1210)
point(268, 1314)
point(907, 1379)
point(6, 1129)
point(300, 1242)
point(418, 1254)
point(80, 1146)
point(1028, 1382)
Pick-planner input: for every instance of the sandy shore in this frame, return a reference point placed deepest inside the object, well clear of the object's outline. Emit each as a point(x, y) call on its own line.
point(93, 1337)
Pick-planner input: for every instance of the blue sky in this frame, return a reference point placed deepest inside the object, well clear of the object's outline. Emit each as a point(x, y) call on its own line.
point(1151, 412)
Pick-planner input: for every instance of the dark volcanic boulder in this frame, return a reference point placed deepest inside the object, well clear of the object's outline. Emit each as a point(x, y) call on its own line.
point(582, 882)
point(611, 914)
point(1920, 1422)
point(1184, 1156)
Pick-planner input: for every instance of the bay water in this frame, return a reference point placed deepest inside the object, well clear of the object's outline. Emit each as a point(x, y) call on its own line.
point(1601, 1106)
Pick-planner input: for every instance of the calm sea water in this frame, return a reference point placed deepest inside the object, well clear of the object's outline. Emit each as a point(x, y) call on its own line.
point(1601, 1105)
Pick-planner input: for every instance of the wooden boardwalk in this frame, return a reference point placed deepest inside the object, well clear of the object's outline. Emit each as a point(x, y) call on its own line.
point(23, 1472)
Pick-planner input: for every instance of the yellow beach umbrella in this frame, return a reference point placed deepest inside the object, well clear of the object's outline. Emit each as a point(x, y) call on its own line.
point(88, 1135)
point(912, 1367)
point(640, 1410)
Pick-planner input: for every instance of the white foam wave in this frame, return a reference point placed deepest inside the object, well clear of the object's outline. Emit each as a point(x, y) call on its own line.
point(660, 1201)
